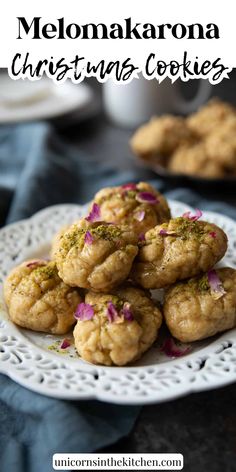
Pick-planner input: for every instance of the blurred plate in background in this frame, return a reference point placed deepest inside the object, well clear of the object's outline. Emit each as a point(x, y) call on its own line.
point(24, 100)
point(180, 180)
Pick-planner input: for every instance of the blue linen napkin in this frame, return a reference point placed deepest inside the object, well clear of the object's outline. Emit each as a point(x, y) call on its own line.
point(38, 169)
point(34, 427)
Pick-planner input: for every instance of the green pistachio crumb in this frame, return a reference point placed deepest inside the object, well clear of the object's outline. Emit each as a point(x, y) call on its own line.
point(130, 193)
point(201, 283)
point(108, 232)
point(75, 237)
point(48, 271)
point(186, 228)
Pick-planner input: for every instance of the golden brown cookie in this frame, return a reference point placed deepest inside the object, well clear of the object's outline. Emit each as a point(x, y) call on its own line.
point(95, 255)
point(209, 117)
point(177, 250)
point(160, 137)
point(38, 299)
point(197, 309)
point(194, 161)
point(221, 145)
point(139, 206)
point(119, 327)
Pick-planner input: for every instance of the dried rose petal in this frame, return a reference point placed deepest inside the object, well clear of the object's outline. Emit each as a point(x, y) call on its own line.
point(216, 286)
point(212, 234)
point(187, 215)
point(112, 312)
point(164, 232)
point(195, 217)
point(141, 237)
point(35, 263)
point(65, 344)
point(171, 349)
point(140, 215)
point(88, 238)
point(95, 213)
point(126, 311)
point(84, 312)
point(129, 186)
point(147, 197)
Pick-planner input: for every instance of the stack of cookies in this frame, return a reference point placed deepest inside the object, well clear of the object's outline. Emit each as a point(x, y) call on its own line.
point(104, 266)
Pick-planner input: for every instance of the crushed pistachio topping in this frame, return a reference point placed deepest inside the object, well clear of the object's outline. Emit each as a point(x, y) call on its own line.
point(76, 237)
point(101, 306)
point(183, 229)
point(209, 282)
point(201, 283)
point(107, 232)
point(130, 193)
point(48, 271)
point(56, 347)
point(186, 227)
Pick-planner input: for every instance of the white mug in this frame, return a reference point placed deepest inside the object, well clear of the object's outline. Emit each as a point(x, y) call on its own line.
point(131, 104)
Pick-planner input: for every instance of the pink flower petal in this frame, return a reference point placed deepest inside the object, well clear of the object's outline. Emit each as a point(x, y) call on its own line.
point(65, 344)
point(84, 312)
point(195, 217)
point(35, 263)
point(141, 237)
point(140, 215)
point(88, 238)
point(95, 213)
point(129, 186)
point(212, 234)
point(187, 215)
point(216, 286)
point(126, 311)
point(164, 232)
point(171, 349)
point(147, 197)
point(112, 312)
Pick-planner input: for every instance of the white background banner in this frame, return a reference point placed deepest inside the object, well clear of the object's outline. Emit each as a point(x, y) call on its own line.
point(137, 40)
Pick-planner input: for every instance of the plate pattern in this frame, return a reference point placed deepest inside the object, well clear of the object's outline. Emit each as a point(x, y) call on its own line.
point(63, 377)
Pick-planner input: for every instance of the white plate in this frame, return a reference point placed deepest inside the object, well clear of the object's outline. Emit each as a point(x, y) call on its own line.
point(24, 100)
point(26, 358)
